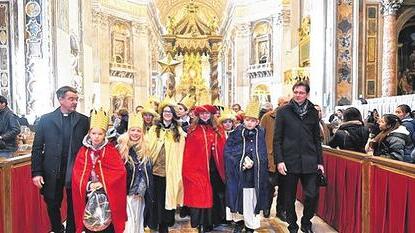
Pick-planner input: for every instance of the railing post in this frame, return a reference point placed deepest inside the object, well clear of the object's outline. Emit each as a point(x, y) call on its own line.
point(366, 177)
point(5, 189)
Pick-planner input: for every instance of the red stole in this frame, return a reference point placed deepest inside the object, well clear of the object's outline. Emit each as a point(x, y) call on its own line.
point(111, 173)
point(196, 157)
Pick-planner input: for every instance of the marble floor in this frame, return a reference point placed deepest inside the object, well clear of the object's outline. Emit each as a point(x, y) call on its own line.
point(271, 225)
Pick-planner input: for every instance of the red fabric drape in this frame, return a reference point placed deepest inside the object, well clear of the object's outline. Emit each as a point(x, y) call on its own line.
point(28, 207)
point(1, 203)
point(340, 202)
point(392, 202)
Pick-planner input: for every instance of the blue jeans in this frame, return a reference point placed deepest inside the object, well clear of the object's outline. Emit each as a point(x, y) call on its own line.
point(6, 154)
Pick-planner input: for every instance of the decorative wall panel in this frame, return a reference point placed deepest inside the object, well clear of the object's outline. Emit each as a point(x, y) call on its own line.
point(344, 48)
point(33, 39)
point(371, 50)
point(5, 78)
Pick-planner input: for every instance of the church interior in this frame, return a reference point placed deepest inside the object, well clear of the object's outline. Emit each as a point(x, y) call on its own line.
point(119, 53)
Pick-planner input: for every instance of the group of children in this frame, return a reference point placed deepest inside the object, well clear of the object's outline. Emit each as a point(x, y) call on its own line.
point(216, 168)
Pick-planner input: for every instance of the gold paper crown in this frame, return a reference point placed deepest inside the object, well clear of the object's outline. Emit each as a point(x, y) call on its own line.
point(227, 114)
point(188, 101)
point(167, 102)
point(148, 108)
point(252, 110)
point(135, 121)
point(153, 99)
point(99, 119)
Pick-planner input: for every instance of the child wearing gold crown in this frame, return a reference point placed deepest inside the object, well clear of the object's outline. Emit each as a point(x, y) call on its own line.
point(134, 152)
point(246, 167)
point(99, 168)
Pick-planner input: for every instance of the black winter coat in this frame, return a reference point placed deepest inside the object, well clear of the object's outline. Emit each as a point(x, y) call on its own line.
point(397, 145)
point(9, 129)
point(351, 135)
point(297, 141)
point(47, 148)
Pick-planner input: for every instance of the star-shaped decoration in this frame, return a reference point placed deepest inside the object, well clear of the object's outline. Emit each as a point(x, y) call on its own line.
point(168, 64)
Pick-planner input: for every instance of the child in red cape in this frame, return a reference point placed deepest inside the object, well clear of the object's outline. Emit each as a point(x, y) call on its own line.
point(99, 165)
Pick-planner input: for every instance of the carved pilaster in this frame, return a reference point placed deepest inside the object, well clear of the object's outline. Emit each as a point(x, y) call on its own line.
point(140, 28)
point(5, 50)
point(389, 69)
point(390, 7)
point(243, 29)
point(100, 19)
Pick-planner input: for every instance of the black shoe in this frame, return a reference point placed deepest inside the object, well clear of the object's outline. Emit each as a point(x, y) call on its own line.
point(238, 227)
point(307, 229)
point(249, 230)
point(266, 213)
point(282, 216)
point(184, 212)
point(208, 228)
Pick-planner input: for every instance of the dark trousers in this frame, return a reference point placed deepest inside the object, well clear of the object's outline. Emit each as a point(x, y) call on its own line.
point(54, 209)
point(310, 189)
point(276, 179)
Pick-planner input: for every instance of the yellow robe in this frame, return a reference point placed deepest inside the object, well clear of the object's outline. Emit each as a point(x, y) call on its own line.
point(174, 161)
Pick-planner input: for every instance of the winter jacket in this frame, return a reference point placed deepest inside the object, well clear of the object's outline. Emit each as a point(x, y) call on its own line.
point(397, 145)
point(351, 135)
point(297, 141)
point(409, 123)
point(9, 129)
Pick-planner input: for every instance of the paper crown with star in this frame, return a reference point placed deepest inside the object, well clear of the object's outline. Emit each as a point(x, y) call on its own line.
point(253, 108)
point(135, 121)
point(149, 108)
point(168, 101)
point(99, 119)
point(188, 101)
point(227, 114)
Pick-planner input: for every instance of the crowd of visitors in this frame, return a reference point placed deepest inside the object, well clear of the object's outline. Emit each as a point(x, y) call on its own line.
point(217, 165)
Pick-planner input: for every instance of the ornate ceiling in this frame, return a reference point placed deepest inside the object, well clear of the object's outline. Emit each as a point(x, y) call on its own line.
point(207, 9)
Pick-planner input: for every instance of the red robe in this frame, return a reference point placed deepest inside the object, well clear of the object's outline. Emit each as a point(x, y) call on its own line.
point(196, 157)
point(111, 173)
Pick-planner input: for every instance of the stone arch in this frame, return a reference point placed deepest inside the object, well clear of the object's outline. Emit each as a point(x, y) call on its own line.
point(403, 18)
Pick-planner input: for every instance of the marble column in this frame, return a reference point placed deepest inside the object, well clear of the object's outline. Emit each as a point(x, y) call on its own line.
point(317, 50)
point(389, 66)
point(242, 47)
point(141, 59)
point(101, 61)
point(281, 43)
point(214, 82)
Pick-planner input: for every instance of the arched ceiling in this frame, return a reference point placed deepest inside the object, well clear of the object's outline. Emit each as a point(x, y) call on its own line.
point(207, 9)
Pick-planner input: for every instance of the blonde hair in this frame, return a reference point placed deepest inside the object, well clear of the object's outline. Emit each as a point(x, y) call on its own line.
point(140, 147)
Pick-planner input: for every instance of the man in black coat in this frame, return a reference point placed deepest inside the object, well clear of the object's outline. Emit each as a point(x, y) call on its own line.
point(58, 138)
point(298, 153)
point(9, 129)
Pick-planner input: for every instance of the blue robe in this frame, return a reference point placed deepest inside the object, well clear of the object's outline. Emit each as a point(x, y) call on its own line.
point(236, 144)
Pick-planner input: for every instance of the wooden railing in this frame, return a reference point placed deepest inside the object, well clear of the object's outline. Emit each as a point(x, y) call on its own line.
point(367, 193)
point(22, 208)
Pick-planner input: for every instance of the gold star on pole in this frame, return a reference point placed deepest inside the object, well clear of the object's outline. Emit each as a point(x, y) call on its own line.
point(168, 64)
